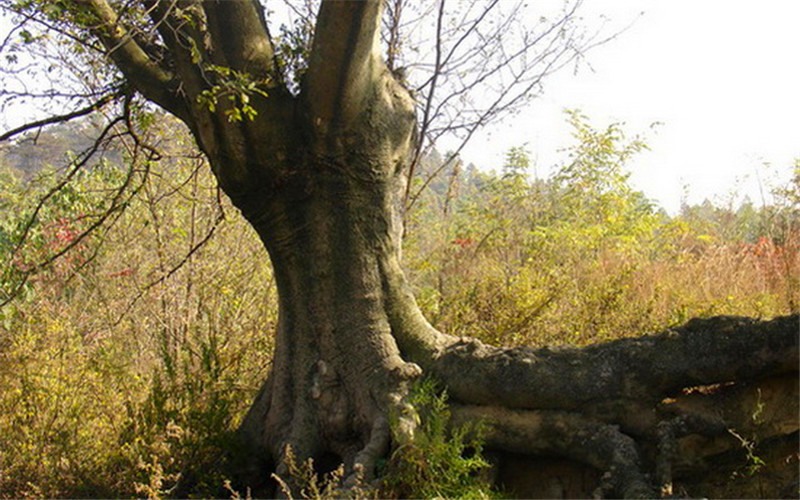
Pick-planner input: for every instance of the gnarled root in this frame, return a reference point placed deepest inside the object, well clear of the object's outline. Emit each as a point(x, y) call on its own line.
point(593, 405)
point(566, 434)
point(643, 370)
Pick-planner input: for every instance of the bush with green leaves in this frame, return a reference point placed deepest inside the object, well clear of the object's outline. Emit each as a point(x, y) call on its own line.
point(440, 461)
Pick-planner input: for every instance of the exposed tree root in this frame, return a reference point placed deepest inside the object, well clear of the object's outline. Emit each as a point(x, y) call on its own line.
point(618, 395)
point(641, 371)
point(567, 434)
point(609, 406)
point(667, 434)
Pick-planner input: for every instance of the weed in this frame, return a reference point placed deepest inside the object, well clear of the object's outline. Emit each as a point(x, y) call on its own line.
point(439, 462)
point(302, 479)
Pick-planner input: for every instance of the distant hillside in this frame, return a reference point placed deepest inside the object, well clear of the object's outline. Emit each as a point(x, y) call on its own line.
point(52, 146)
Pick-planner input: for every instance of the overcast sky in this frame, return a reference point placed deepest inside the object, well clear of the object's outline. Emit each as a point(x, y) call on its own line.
point(721, 75)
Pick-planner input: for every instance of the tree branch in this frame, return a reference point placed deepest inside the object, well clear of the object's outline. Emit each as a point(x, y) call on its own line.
point(79, 162)
point(62, 118)
point(239, 32)
point(181, 25)
point(344, 61)
point(148, 77)
point(117, 203)
point(428, 102)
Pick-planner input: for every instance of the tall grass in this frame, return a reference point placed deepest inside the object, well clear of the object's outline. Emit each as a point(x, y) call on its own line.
point(126, 365)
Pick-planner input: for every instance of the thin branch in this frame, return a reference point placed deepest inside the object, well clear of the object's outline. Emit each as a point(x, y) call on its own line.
point(428, 102)
point(473, 26)
point(79, 162)
point(63, 118)
point(220, 217)
point(117, 203)
point(115, 206)
point(556, 54)
point(11, 32)
point(52, 27)
point(394, 40)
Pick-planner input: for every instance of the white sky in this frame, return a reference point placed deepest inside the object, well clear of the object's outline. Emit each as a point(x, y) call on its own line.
point(721, 75)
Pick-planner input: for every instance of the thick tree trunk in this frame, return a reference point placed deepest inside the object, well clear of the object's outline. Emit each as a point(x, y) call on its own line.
point(338, 373)
point(333, 235)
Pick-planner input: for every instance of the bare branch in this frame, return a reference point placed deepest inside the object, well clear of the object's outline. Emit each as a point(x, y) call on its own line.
point(485, 64)
point(49, 26)
point(393, 39)
point(6, 41)
point(79, 162)
point(117, 203)
point(429, 101)
point(62, 118)
point(168, 274)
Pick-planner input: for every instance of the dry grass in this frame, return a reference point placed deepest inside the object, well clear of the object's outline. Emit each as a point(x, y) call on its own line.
point(125, 366)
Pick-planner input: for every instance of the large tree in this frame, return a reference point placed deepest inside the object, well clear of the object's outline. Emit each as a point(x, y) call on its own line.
point(316, 158)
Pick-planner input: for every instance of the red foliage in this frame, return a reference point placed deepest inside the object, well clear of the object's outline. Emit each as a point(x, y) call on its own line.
point(119, 274)
point(463, 242)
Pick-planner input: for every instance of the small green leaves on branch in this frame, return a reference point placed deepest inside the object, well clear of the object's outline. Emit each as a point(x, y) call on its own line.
point(235, 87)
